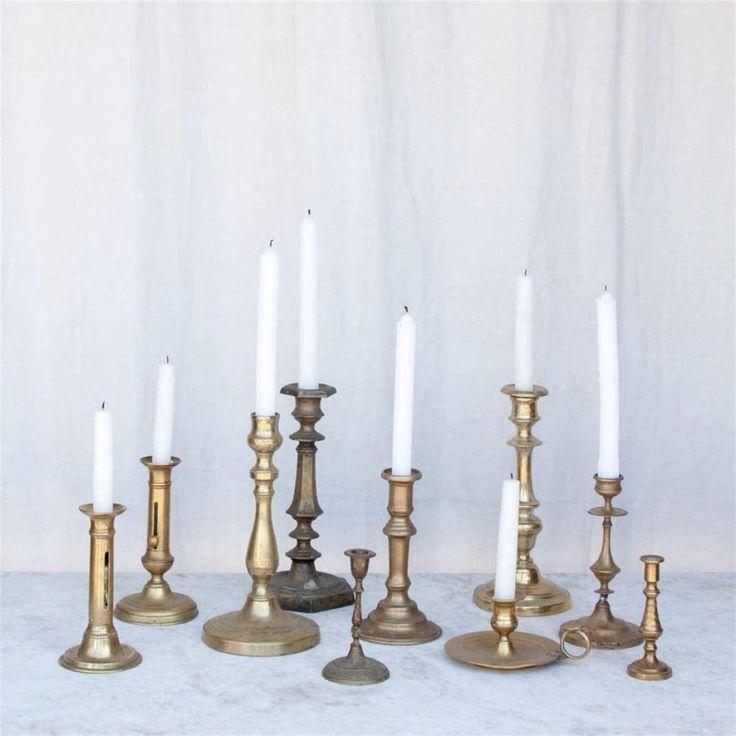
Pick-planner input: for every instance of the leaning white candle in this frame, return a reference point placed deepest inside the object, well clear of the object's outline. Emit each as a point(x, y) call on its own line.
point(308, 304)
point(102, 467)
point(164, 422)
point(508, 535)
point(608, 426)
point(406, 338)
point(523, 353)
point(268, 307)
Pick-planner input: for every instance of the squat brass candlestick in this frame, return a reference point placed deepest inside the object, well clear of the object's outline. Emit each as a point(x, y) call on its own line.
point(302, 588)
point(397, 618)
point(649, 667)
point(604, 629)
point(356, 668)
point(157, 603)
point(540, 596)
point(261, 628)
point(100, 650)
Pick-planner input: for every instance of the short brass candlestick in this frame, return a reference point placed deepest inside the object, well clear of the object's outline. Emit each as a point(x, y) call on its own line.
point(540, 596)
point(261, 628)
point(302, 588)
point(356, 668)
point(397, 618)
point(649, 667)
point(604, 629)
point(100, 650)
point(157, 603)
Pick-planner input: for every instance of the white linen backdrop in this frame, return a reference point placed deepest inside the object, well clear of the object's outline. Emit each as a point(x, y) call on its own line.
point(152, 150)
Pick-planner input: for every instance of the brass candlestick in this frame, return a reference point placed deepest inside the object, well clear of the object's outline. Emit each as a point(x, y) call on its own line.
point(540, 596)
point(356, 668)
point(504, 649)
point(261, 628)
point(157, 603)
point(397, 618)
point(604, 629)
point(649, 667)
point(302, 588)
point(100, 650)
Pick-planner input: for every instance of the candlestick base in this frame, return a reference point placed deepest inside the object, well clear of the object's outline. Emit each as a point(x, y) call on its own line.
point(100, 656)
point(355, 670)
point(604, 630)
point(157, 605)
point(310, 593)
point(543, 598)
point(389, 624)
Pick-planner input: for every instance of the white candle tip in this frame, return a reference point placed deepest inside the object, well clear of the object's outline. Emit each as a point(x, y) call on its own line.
point(103, 404)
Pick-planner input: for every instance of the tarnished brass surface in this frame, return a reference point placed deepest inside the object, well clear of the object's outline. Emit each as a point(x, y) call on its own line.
point(397, 618)
point(541, 597)
point(261, 628)
point(157, 603)
point(101, 650)
point(302, 587)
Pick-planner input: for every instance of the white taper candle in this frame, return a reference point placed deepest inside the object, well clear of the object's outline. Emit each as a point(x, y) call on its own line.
point(608, 426)
point(406, 338)
point(102, 464)
point(524, 366)
point(508, 535)
point(268, 308)
point(163, 424)
point(308, 274)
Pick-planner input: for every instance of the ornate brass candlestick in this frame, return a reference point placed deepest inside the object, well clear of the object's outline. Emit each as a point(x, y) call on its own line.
point(604, 629)
point(356, 668)
point(157, 603)
point(100, 650)
point(649, 667)
point(540, 597)
point(503, 649)
point(261, 628)
point(397, 618)
point(302, 588)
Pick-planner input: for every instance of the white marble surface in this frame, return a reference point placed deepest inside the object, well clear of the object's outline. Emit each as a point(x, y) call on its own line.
point(182, 687)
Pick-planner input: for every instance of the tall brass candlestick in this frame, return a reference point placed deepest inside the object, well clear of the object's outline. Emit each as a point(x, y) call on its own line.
point(540, 596)
point(603, 628)
point(261, 628)
point(302, 588)
point(100, 650)
point(157, 603)
point(397, 618)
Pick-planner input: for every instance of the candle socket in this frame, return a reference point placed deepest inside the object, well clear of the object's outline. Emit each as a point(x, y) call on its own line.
point(540, 596)
point(100, 650)
point(261, 628)
point(302, 587)
point(157, 604)
point(356, 668)
point(649, 667)
point(602, 627)
point(397, 618)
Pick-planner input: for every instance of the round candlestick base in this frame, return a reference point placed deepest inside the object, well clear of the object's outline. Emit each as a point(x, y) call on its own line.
point(482, 649)
point(158, 606)
point(123, 658)
point(394, 625)
point(644, 670)
point(604, 630)
point(316, 592)
point(355, 671)
point(543, 598)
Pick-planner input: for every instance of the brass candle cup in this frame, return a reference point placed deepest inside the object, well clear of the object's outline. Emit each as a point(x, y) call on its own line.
point(397, 618)
point(602, 627)
point(157, 603)
point(261, 628)
point(540, 596)
point(101, 650)
point(302, 587)
point(356, 668)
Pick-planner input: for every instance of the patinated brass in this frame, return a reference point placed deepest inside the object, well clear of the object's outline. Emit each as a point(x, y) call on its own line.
point(356, 668)
point(649, 667)
point(397, 618)
point(302, 587)
point(157, 603)
point(541, 597)
point(604, 629)
point(101, 650)
point(261, 628)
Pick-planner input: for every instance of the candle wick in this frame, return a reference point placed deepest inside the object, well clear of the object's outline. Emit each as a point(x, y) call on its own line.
point(511, 475)
point(270, 243)
point(167, 358)
point(406, 309)
point(525, 270)
point(605, 288)
point(103, 404)
point(309, 212)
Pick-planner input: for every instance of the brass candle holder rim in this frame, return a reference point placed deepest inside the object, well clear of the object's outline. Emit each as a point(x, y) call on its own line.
point(359, 553)
point(147, 460)
point(324, 390)
point(88, 509)
point(652, 558)
point(388, 475)
point(510, 390)
point(598, 479)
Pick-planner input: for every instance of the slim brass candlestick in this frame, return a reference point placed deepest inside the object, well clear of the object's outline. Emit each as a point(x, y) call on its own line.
point(356, 668)
point(261, 628)
point(540, 596)
point(649, 667)
point(604, 629)
point(100, 650)
point(157, 603)
point(397, 618)
point(302, 588)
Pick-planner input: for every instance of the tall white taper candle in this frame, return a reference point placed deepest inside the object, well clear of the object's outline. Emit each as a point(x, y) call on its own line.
point(102, 464)
point(308, 302)
point(268, 309)
point(524, 378)
point(508, 536)
point(406, 338)
point(163, 424)
point(608, 427)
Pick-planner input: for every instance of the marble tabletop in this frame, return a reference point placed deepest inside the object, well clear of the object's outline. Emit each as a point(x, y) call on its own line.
point(183, 687)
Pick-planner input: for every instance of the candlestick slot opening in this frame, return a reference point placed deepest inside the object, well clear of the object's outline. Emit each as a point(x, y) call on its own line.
point(106, 582)
point(155, 519)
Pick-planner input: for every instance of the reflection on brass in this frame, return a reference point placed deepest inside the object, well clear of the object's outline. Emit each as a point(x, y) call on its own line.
point(261, 628)
point(100, 650)
point(157, 603)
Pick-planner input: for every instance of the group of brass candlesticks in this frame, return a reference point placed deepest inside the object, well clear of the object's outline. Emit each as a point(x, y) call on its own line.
point(266, 626)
